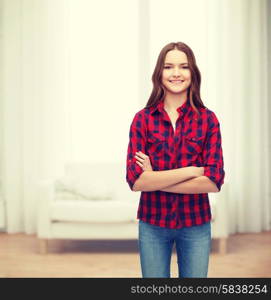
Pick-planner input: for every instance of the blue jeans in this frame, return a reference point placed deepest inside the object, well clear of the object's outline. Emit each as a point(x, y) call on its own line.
point(193, 246)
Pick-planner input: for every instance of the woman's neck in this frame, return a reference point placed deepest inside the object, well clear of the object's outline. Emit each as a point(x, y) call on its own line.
point(172, 102)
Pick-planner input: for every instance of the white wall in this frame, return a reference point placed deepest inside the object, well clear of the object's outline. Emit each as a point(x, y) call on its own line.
point(90, 62)
point(103, 77)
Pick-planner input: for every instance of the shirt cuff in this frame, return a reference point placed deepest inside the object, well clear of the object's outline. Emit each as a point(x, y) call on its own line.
point(215, 174)
point(133, 172)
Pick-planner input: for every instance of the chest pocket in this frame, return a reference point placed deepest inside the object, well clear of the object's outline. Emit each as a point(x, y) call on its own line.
point(193, 144)
point(156, 144)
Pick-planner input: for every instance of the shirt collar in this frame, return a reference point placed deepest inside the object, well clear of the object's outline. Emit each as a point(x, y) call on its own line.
point(181, 109)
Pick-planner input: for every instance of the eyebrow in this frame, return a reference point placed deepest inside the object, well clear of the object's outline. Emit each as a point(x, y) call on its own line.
point(179, 64)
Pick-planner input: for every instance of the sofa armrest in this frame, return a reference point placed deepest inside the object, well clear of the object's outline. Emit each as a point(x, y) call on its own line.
point(46, 195)
point(220, 225)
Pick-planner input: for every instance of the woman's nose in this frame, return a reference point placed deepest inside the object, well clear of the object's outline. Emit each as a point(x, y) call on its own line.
point(176, 71)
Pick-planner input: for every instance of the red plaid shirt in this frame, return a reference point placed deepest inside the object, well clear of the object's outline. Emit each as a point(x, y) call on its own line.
point(195, 142)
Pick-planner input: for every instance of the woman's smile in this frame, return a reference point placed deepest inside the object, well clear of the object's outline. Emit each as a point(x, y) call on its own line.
point(176, 81)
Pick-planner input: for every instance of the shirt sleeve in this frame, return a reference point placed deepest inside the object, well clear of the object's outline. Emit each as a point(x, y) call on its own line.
point(137, 142)
point(213, 153)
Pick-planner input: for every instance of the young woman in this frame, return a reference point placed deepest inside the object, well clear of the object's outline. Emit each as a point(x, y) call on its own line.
point(175, 159)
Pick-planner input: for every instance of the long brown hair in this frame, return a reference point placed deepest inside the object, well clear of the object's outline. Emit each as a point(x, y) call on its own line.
point(158, 91)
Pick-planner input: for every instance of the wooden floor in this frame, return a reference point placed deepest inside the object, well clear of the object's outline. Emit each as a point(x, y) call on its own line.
point(248, 255)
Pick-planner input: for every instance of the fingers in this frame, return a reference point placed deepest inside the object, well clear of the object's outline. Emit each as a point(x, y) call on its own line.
point(141, 154)
point(139, 158)
point(139, 163)
point(143, 161)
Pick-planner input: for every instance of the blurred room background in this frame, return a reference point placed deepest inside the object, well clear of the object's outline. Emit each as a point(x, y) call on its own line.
point(74, 72)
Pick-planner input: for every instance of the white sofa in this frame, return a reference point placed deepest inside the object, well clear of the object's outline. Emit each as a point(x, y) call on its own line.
point(93, 201)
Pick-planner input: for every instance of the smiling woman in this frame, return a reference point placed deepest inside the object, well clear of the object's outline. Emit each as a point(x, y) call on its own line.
point(175, 159)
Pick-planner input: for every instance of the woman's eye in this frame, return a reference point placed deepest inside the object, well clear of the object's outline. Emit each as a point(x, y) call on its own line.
point(184, 67)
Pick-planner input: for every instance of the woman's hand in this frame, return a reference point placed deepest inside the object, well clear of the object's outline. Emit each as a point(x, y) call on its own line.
point(143, 161)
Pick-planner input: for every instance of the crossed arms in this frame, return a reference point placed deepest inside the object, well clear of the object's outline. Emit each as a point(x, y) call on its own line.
point(187, 180)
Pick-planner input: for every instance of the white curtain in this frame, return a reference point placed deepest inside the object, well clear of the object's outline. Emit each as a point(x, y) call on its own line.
point(238, 87)
point(45, 91)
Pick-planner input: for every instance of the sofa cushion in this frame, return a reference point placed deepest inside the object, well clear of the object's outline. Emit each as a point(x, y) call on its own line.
point(94, 181)
point(88, 187)
point(93, 211)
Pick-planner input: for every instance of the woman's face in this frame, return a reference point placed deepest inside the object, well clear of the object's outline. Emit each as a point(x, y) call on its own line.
point(176, 76)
